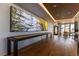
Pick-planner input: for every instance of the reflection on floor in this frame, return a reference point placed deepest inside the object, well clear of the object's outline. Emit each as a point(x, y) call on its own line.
point(57, 46)
point(66, 44)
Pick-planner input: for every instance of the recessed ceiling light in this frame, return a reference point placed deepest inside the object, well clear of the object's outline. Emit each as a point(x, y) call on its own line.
point(54, 5)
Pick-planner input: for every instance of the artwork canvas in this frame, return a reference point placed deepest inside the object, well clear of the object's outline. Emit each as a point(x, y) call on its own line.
point(20, 21)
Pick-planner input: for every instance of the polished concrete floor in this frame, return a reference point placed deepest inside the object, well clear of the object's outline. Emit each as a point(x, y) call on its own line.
point(56, 46)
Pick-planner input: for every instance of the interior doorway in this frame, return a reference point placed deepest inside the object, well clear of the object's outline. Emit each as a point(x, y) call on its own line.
point(55, 30)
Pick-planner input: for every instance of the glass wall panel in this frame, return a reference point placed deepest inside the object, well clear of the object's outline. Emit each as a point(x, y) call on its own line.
point(62, 29)
point(66, 27)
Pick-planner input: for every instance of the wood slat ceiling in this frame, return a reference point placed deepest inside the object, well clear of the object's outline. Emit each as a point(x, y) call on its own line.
point(62, 10)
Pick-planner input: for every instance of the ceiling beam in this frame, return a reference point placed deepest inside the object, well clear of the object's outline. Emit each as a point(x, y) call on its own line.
point(75, 16)
point(65, 20)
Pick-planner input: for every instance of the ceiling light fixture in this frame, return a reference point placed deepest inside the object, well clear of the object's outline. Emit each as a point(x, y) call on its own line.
point(45, 9)
point(54, 5)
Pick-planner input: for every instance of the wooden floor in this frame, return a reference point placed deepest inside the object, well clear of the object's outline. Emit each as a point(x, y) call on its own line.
point(57, 46)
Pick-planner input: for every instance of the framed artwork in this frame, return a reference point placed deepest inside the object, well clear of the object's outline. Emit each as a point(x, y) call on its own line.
point(21, 21)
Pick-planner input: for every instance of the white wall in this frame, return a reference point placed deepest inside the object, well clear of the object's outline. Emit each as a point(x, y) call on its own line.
point(5, 29)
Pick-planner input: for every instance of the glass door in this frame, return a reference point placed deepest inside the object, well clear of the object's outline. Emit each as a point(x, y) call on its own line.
point(72, 29)
point(65, 28)
point(62, 29)
point(68, 28)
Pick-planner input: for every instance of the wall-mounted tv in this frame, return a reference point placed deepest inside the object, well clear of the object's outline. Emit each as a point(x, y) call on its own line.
point(20, 21)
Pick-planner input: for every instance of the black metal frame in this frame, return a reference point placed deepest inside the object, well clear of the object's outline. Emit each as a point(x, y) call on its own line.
point(11, 19)
point(15, 42)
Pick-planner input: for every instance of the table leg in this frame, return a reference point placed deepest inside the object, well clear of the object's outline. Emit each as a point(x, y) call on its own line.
point(41, 37)
point(51, 36)
point(8, 47)
point(78, 49)
point(15, 48)
point(46, 36)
